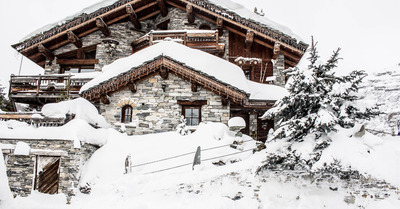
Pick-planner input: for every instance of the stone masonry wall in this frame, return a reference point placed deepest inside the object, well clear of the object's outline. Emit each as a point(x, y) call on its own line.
point(21, 168)
point(157, 111)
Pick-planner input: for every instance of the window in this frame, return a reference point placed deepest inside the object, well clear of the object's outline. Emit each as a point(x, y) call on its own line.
point(126, 114)
point(192, 115)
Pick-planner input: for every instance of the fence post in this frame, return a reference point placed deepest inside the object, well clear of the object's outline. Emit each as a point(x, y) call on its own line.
point(128, 164)
point(197, 157)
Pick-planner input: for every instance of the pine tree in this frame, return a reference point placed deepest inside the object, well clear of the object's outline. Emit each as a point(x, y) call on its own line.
point(5, 104)
point(318, 100)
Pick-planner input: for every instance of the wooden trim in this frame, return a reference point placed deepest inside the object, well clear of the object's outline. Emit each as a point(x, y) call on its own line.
point(74, 39)
point(190, 13)
point(77, 61)
point(45, 52)
point(133, 17)
point(192, 103)
point(103, 26)
point(163, 7)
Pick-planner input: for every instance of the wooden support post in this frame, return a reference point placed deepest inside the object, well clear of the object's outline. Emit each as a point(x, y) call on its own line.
point(105, 99)
point(220, 23)
point(80, 54)
point(224, 100)
point(77, 61)
point(164, 73)
point(45, 52)
point(74, 39)
point(133, 17)
point(194, 87)
point(132, 87)
point(163, 7)
point(103, 26)
point(190, 13)
point(249, 41)
point(277, 50)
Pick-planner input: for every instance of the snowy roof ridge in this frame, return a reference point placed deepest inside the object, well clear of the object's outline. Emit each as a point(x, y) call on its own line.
point(216, 68)
point(235, 13)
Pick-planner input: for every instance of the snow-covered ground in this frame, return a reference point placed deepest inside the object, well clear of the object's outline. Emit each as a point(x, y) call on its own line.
point(227, 177)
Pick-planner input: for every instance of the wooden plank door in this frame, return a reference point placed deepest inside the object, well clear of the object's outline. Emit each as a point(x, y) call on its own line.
point(47, 174)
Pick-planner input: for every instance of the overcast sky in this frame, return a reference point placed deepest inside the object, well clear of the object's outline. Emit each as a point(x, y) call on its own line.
point(368, 31)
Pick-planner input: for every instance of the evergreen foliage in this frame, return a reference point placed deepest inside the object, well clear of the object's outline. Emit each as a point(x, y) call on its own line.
point(318, 100)
point(182, 129)
point(5, 104)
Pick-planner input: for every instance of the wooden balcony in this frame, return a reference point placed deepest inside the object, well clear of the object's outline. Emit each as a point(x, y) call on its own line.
point(37, 90)
point(205, 40)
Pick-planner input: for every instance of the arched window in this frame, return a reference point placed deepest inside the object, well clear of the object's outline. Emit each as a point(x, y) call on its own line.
point(126, 114)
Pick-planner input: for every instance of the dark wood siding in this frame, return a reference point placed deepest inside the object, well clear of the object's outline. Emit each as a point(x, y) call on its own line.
point(47, 174)
point(237, 48)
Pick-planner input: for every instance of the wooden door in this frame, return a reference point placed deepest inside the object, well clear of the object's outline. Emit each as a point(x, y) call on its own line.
point(47, 174)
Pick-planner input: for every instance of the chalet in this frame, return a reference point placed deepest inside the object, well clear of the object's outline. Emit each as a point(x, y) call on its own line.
point(144, 63)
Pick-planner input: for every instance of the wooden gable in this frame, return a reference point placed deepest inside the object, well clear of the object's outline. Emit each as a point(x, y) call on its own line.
point(164, 65)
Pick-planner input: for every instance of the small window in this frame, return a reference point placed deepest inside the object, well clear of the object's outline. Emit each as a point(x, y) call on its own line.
point(126, 114)
point(192, 115)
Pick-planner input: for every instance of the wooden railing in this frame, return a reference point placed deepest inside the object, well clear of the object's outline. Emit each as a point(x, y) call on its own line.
point(36, 119)
point(41, 89)
point(206, 40)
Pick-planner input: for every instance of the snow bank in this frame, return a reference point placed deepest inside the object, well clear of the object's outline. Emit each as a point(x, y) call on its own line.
point(81, 108)
point(211, 65)
point(22, 148)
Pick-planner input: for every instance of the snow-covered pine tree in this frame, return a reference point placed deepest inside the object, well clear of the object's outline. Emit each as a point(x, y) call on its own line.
point(318, 100)
point(182, 129)
point(5, 104)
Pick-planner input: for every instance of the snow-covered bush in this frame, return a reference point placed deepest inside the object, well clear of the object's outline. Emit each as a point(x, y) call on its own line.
point(318, 100)
point(182, 129)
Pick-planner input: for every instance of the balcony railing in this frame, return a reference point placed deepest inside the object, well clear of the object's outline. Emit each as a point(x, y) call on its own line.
point(42, 89)
point(206, 40)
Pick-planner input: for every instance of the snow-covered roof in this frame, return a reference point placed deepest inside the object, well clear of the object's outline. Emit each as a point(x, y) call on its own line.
point(259, 91)
point(206, 63)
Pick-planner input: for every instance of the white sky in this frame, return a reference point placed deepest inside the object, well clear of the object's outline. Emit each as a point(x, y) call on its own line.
point(368, 31)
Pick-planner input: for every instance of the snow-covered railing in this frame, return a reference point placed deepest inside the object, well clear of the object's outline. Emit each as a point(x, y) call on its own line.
point(34, 89)
point(206, 40)
point(35, 118)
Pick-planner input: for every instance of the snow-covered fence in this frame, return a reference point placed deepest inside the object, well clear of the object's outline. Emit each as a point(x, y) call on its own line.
point(193, 153)
point(35, 119)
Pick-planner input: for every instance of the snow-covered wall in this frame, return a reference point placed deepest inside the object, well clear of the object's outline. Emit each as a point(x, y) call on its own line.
point(21, 168)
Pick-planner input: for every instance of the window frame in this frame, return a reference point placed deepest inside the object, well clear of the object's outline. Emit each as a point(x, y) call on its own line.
point(124, 115)
point(191, 107)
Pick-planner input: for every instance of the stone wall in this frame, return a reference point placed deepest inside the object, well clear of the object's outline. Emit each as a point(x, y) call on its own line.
point(21, 168)
point(157, 111)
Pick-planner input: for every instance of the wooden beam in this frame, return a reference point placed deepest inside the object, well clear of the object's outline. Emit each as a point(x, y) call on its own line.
point(77, 61)
point(194, 87)
point(220, 26)
point(133, 17)
point(277, 49)
point(80, 54)
point(164, 73)
point(190, 13)
point(163, 7)
point(103, 26)
point(74, 39)
point(150, 15)
point(224, 101)
point(105, 99)
point(132, 87)
point(45, 52)
point(249, 41)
